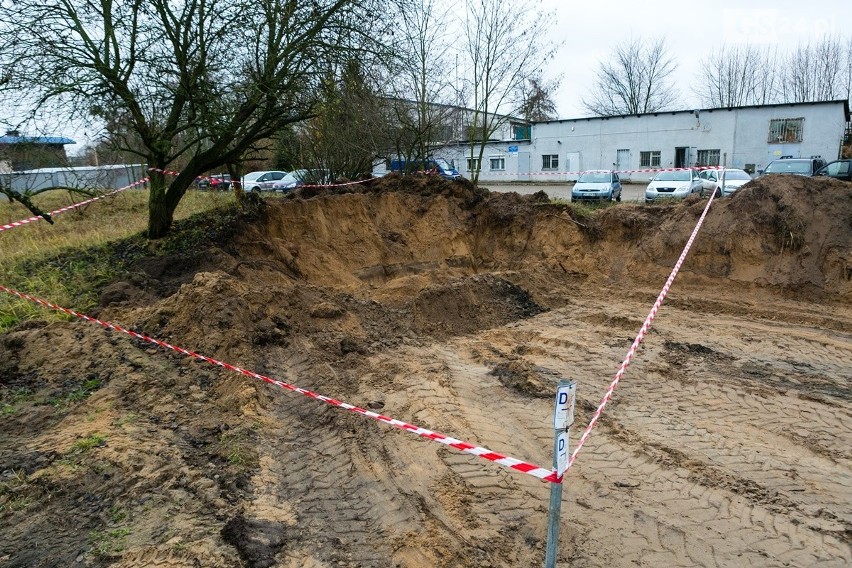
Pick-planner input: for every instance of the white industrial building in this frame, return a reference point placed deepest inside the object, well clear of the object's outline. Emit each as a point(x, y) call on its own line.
point(746, 137)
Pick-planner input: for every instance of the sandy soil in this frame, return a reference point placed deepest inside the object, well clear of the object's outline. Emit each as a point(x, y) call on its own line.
point(726, 444)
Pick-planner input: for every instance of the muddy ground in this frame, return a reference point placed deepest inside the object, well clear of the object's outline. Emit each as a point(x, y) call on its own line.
point(726, 444)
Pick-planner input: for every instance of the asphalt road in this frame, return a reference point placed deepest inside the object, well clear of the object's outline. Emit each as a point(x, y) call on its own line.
point(630, 192)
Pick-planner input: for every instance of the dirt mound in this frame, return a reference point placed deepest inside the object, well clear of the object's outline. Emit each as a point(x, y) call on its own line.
point(790, 233)
point(455, 309)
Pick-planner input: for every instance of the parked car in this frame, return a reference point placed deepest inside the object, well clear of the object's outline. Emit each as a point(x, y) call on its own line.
point(677, 184)
point(838, 169)
point(298, 178)
point(795, 166)
point(597, 185)
point(711, 181)
point(261, 181)
point(219, 182)
point(290, 181)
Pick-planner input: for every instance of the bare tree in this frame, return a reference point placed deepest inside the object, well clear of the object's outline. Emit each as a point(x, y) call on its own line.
point(737, 76)
point(815, 72)
point(194, 82)
point(725, 76)
point(634, 80)
point(424, 88)
point(504, 46)
point(847, 69)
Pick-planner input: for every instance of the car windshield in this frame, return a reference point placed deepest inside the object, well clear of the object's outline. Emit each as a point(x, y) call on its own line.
point(735, 174)
point(789, 166)
point(594, 177)
point(681, 175)
point(443, 164)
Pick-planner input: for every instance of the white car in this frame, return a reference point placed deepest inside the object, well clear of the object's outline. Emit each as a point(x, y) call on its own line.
point(676, 184)
point(261, 181)
point(711, 181)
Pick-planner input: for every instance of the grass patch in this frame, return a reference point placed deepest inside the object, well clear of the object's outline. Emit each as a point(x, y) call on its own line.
point(68, 263)
point(129, 418)
point(85, 444)
point(9, 404)
point(9, 498)
point(79, 394)
point(236, 448)
point(109, 542)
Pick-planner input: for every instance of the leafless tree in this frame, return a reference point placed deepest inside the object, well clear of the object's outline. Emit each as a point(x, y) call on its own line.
point(504, 45)
point(634, 80)
point(816, 72)
point(739, 75)
point(725, 77)
point(422, 93)
point(194, 82)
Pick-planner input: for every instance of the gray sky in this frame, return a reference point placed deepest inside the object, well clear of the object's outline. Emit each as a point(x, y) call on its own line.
point(590, 29)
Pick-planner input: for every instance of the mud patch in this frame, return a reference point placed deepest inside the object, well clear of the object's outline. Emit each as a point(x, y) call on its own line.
point(256, 540)
point(523, 378)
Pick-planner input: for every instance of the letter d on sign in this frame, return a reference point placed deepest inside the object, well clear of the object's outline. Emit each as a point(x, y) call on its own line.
point(561, 454)
point(563, 415)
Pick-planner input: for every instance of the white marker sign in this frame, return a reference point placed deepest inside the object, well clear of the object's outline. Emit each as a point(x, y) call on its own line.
point(563, 416)
point(561, 453)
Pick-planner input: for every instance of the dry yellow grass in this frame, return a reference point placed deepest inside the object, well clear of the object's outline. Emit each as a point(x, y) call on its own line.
point(65, 261)
point(114, 217)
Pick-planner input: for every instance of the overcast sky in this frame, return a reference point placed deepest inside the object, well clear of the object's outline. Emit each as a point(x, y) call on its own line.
point(590, 29)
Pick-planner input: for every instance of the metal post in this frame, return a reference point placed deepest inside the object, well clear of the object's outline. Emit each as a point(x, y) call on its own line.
point(563, 418)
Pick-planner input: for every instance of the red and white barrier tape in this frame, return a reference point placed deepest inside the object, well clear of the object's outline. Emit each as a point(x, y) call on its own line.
point(644, 329)
point(484, 453)
point(642, 171)
point(174, 173)
point(74, 206)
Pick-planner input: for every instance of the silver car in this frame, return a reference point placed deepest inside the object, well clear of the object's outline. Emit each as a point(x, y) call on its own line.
point(599, 185)
point(673, 184)
point(711, 181)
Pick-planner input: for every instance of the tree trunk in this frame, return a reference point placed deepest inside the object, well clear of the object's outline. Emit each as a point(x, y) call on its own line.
point(161, 206)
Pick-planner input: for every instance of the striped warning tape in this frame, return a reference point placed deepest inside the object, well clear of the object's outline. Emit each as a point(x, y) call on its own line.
point(74, 206)
point(641, 171)
point(642, 331)
point(235, 182)
point(484, 453)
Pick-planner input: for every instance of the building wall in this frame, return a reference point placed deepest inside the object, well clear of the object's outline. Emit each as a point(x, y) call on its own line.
point(87, 177)
point(741, 135)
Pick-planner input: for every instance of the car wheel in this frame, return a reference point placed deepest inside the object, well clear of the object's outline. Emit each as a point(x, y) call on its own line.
point(618, 198)
point(255, 190)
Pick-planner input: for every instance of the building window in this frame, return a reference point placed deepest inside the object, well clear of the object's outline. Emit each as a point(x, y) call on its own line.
point(650, 159)
point(498, 163)
point(786, 130)
point(521, 131)
point(708, 157)
point(473, 164)
point(550, 161)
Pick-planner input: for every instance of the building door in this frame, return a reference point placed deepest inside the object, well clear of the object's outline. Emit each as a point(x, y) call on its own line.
point(681, 157)
point(572, 165)
point(523, 166)
point(622, 160)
